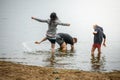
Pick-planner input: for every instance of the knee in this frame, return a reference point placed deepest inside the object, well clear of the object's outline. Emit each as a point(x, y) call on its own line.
point(99, 51)
point(92, 50)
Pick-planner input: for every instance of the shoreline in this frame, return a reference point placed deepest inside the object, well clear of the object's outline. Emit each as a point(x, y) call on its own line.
point(14, 71)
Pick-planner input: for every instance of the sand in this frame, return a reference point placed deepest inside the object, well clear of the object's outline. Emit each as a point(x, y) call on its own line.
point(14, 71)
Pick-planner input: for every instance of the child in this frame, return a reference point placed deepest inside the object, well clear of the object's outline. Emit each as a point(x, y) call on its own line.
point(63, 39)
point(52, 27)
point(99, 36)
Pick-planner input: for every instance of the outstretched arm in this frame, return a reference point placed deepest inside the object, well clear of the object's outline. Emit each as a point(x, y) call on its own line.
point(44, 39)
point(39, 20)
point(64, 24)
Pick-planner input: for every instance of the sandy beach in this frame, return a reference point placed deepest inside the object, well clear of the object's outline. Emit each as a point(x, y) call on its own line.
point(13, 71)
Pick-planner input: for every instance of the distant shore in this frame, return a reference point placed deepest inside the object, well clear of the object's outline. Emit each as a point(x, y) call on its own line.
point(13, 71)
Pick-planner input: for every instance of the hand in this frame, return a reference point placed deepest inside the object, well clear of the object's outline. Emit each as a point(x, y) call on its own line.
point(36, 42)
point(68, 24)
point(93, 33)
point(104, 44)
point(32, 17)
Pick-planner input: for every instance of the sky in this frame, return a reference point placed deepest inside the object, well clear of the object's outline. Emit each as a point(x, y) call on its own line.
point(81, 14)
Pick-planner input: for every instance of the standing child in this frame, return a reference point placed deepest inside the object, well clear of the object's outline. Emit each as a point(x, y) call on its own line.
point(99, 36)
point(52, 27)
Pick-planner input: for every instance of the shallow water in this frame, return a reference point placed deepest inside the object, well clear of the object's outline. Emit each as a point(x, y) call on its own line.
point(39, 55)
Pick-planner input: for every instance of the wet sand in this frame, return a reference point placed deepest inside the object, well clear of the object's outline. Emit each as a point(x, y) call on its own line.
point(13, 71)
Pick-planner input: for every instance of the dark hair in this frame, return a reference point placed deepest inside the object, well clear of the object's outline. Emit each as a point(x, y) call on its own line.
point(53, 16)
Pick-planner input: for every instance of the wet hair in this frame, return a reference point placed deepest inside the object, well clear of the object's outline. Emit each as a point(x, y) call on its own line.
point(75, 39)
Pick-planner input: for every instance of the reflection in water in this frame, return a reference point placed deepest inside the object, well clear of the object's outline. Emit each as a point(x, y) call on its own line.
point(36, 52)
point(62, 54)
point(59, 59)
point(98, 63)
point(54, 60)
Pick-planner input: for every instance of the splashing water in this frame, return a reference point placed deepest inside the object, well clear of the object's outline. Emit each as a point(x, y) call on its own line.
point(26, 46)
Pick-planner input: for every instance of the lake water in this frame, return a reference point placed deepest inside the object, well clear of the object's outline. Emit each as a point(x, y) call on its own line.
point(18, 33)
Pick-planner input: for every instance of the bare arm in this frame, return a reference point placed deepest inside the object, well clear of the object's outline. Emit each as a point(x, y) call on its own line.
point(104, 40)
point(60, 23)
point(39, 20)
point(64, 24)
point(72, 48)
point(95, 32)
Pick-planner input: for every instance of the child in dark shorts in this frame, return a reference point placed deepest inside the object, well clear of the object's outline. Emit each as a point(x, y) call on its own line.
point(52, 28)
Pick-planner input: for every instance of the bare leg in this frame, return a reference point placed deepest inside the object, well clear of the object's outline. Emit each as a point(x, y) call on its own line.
point(44, 39)
point(99, 51)
point(99, 54)
point(92, 52)
point(53, 49)
point(98, 57)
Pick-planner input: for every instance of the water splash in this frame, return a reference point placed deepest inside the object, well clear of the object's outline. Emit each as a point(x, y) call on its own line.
point(28, 49)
